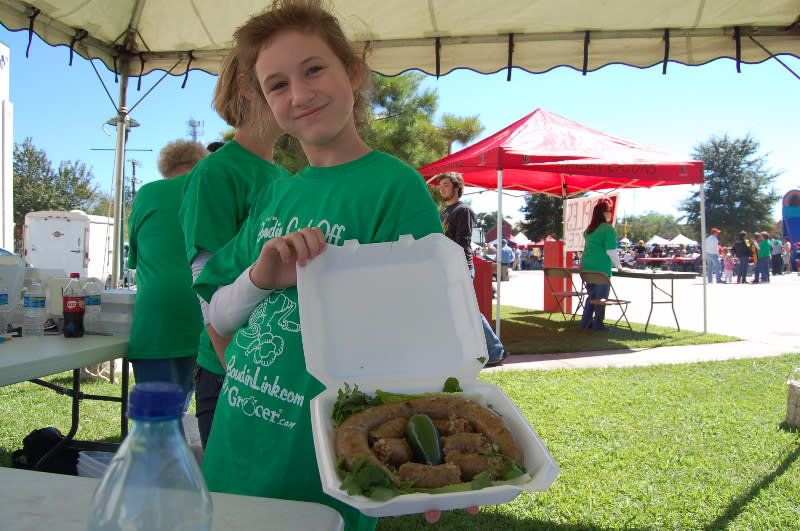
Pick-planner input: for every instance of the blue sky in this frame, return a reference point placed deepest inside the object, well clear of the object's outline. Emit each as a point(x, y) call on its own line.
point(63, 109)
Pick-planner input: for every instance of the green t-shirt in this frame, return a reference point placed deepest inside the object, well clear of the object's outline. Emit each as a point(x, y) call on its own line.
point(217, 198)
point(595, 257)
point(166, 318)
point(261, 441)
point(764, 249)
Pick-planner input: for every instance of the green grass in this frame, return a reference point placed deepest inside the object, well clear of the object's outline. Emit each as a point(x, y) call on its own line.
point(697, 446)
point(525, 331)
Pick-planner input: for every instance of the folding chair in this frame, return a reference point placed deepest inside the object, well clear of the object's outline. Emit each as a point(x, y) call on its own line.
point(597, 277)
point(568, 291)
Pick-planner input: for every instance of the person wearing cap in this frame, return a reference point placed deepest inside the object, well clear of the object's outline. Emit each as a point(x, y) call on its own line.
point(458, 219)
point(711, 252)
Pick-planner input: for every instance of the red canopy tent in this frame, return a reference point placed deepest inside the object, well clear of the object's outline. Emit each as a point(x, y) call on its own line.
point(545, 153)
point(540, 243)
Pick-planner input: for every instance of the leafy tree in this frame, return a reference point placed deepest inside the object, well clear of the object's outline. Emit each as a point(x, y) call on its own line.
point(543, 216)
point(38, 187)
point(399, 120)
point(738, 187)
point(650, 224)
point(461, 129)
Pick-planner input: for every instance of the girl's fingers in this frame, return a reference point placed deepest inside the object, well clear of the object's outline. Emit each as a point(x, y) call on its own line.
point(432, 516)
point(308, 243)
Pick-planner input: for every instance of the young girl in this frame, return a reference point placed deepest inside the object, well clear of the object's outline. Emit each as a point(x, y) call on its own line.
point(727, 259)
point(261, 441)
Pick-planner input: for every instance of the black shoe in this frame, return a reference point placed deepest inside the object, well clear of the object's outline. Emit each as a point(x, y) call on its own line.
point(498, 361)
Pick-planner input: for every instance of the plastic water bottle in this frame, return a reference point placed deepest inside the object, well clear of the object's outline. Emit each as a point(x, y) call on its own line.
point(91, 318)
point(4, 308)
point(153, 482)
point(33, 316)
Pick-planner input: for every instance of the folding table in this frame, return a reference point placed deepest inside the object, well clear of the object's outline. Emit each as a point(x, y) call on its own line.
point(30, 358)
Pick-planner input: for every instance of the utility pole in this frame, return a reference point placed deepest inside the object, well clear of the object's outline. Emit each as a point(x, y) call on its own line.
point(194, 128)
point(134, 163)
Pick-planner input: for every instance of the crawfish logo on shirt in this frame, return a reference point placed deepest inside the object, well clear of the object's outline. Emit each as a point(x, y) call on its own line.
point(261, 339)
point(271, 227)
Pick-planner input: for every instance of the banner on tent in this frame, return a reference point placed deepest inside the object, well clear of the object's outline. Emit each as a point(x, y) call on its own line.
point(578, 214)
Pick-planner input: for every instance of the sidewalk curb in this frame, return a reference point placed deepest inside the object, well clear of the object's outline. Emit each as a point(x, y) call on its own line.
point(646, 356)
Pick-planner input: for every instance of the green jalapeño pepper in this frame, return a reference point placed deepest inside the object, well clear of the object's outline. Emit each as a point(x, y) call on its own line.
point(423, 437)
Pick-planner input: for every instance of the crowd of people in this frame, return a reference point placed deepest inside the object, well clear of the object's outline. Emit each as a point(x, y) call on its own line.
point(524, 258)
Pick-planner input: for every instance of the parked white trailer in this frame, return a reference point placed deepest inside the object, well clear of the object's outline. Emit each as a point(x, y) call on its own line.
point(73, 241)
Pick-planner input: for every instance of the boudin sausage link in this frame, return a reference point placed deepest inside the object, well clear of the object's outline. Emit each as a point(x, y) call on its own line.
point(352, 439)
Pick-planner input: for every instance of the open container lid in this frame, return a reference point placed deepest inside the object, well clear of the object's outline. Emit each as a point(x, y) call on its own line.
point(402, 316)
point(398, 315)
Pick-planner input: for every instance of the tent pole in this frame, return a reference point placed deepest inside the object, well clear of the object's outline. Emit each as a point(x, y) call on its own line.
point(499, 246)
point(703, 247)
point(119, 168)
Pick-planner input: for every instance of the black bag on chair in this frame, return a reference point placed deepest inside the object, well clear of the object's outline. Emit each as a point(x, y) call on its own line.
point(36, 444)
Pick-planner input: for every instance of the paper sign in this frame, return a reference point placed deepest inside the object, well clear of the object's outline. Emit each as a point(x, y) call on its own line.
point(578, 214)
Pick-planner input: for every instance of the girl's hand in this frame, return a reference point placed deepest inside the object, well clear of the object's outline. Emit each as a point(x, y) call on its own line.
point(276, 264)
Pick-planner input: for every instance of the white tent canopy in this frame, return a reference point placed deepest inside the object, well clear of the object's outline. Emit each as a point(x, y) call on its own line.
point(137, 36)
point(680, 239)
point(657, 240)
point(521, 239)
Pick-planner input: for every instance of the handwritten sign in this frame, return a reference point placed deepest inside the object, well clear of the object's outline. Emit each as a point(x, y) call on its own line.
point(578, 214)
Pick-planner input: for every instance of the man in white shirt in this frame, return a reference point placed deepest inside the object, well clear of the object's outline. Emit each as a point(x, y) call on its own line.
point(711, 252)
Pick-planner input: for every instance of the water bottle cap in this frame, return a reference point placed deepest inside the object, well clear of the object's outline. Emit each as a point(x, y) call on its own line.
point(155, 401)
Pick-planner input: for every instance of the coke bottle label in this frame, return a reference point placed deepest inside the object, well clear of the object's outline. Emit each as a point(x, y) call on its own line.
point(74, 304)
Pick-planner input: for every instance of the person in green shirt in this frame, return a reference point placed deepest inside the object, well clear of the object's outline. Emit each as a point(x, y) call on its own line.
point(261, 441)
point(599, 254)
point(764, 256)
point(166, 318)
point(217, 199)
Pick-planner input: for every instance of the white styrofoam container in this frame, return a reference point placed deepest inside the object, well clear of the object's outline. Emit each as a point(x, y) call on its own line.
point(402, 316)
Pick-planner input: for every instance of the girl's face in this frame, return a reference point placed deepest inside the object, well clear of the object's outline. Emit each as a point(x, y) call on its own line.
point(307, 87)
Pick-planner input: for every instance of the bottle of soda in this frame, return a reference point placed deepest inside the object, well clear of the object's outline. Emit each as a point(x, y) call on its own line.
point(153, 482)
point(74, 307)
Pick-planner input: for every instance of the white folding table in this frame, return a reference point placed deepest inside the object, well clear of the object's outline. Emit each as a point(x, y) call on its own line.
point(32, 501)
point(30, 358)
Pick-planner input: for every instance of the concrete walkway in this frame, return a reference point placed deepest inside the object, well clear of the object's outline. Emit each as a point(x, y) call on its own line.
point(764, 316)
